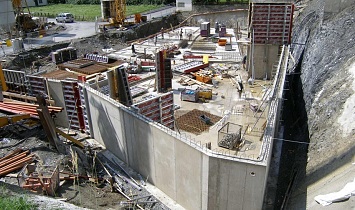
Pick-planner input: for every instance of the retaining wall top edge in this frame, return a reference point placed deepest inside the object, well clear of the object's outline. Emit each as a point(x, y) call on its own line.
point(185, 139)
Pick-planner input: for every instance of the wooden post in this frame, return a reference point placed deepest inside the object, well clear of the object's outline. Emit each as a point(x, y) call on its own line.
point(46, 120)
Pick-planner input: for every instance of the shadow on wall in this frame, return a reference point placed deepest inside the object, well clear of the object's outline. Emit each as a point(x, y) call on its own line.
point(294, 163)
point(126, 136)
point(294, 155)
point(107, 130)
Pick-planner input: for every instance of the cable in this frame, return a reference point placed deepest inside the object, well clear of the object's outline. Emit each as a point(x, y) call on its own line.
point(299, 142)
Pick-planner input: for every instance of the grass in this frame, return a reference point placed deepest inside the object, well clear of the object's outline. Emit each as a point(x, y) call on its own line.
point(85, 12)
point(20, 202)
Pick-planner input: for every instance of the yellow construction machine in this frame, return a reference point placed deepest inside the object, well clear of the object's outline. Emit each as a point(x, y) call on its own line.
point(120, 8)
point(115, 11)
point(24, 21)
point(2, 80)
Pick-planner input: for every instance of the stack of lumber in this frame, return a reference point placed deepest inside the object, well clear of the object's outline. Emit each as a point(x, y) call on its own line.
point(19, 107)
point(15, 160)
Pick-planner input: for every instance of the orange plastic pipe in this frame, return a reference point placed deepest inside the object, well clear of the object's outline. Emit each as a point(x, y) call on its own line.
point(5, 172)
point(13, 159)
point(17, 163)
point(17, 150)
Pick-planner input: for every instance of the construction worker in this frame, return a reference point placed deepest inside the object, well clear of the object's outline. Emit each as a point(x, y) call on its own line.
point(133, 49)
point(240, 88)
point(244, 61)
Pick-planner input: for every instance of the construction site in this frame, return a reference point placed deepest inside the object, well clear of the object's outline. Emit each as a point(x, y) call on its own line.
point(208, 108)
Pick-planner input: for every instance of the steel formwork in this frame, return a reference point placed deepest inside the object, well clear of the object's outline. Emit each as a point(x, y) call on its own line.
point(19, 82)
point(16, 81)
point(37, 85)
point(271, 23)
point(159, 109)
point(73, 105)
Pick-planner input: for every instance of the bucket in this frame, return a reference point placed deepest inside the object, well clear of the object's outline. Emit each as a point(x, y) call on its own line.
point(8, 43)
point(144, 18)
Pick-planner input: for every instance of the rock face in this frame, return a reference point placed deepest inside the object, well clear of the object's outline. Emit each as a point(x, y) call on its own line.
point(325, 50)
point(328, 85)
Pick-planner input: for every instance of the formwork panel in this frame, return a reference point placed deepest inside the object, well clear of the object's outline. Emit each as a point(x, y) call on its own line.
point(16, 81)
point(73, 105)
point(159, 109)
point(271, 23)
point(37, 85)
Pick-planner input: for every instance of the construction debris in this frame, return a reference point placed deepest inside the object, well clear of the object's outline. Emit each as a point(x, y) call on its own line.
point(6, 120)
point(44, 179)
point(126, 185)
point(229, 136)
point(19, 107)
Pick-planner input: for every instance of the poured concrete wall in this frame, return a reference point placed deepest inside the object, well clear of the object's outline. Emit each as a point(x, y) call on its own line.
point(230, 19)
point(235, 185)
point(265, 57)
point(55, 90)
point(191, 177)
point(107, 124)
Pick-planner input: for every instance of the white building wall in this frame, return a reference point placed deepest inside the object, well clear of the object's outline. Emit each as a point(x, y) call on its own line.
point(31, 3)
point(183, 5)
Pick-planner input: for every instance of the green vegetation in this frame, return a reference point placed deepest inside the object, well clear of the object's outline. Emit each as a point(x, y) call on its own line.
point(10, 202)
point(84, 12)
point(18, 203)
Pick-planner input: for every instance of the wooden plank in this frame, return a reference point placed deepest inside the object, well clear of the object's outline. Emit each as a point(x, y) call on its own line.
point(69, 138)
point(24, 104)
point(30, 98)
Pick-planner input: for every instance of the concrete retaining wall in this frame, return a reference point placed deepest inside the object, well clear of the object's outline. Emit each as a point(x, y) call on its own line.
point(235, 185)
point(55, 90)
point(190, 176)
point(230, 19)
point(265, 57)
